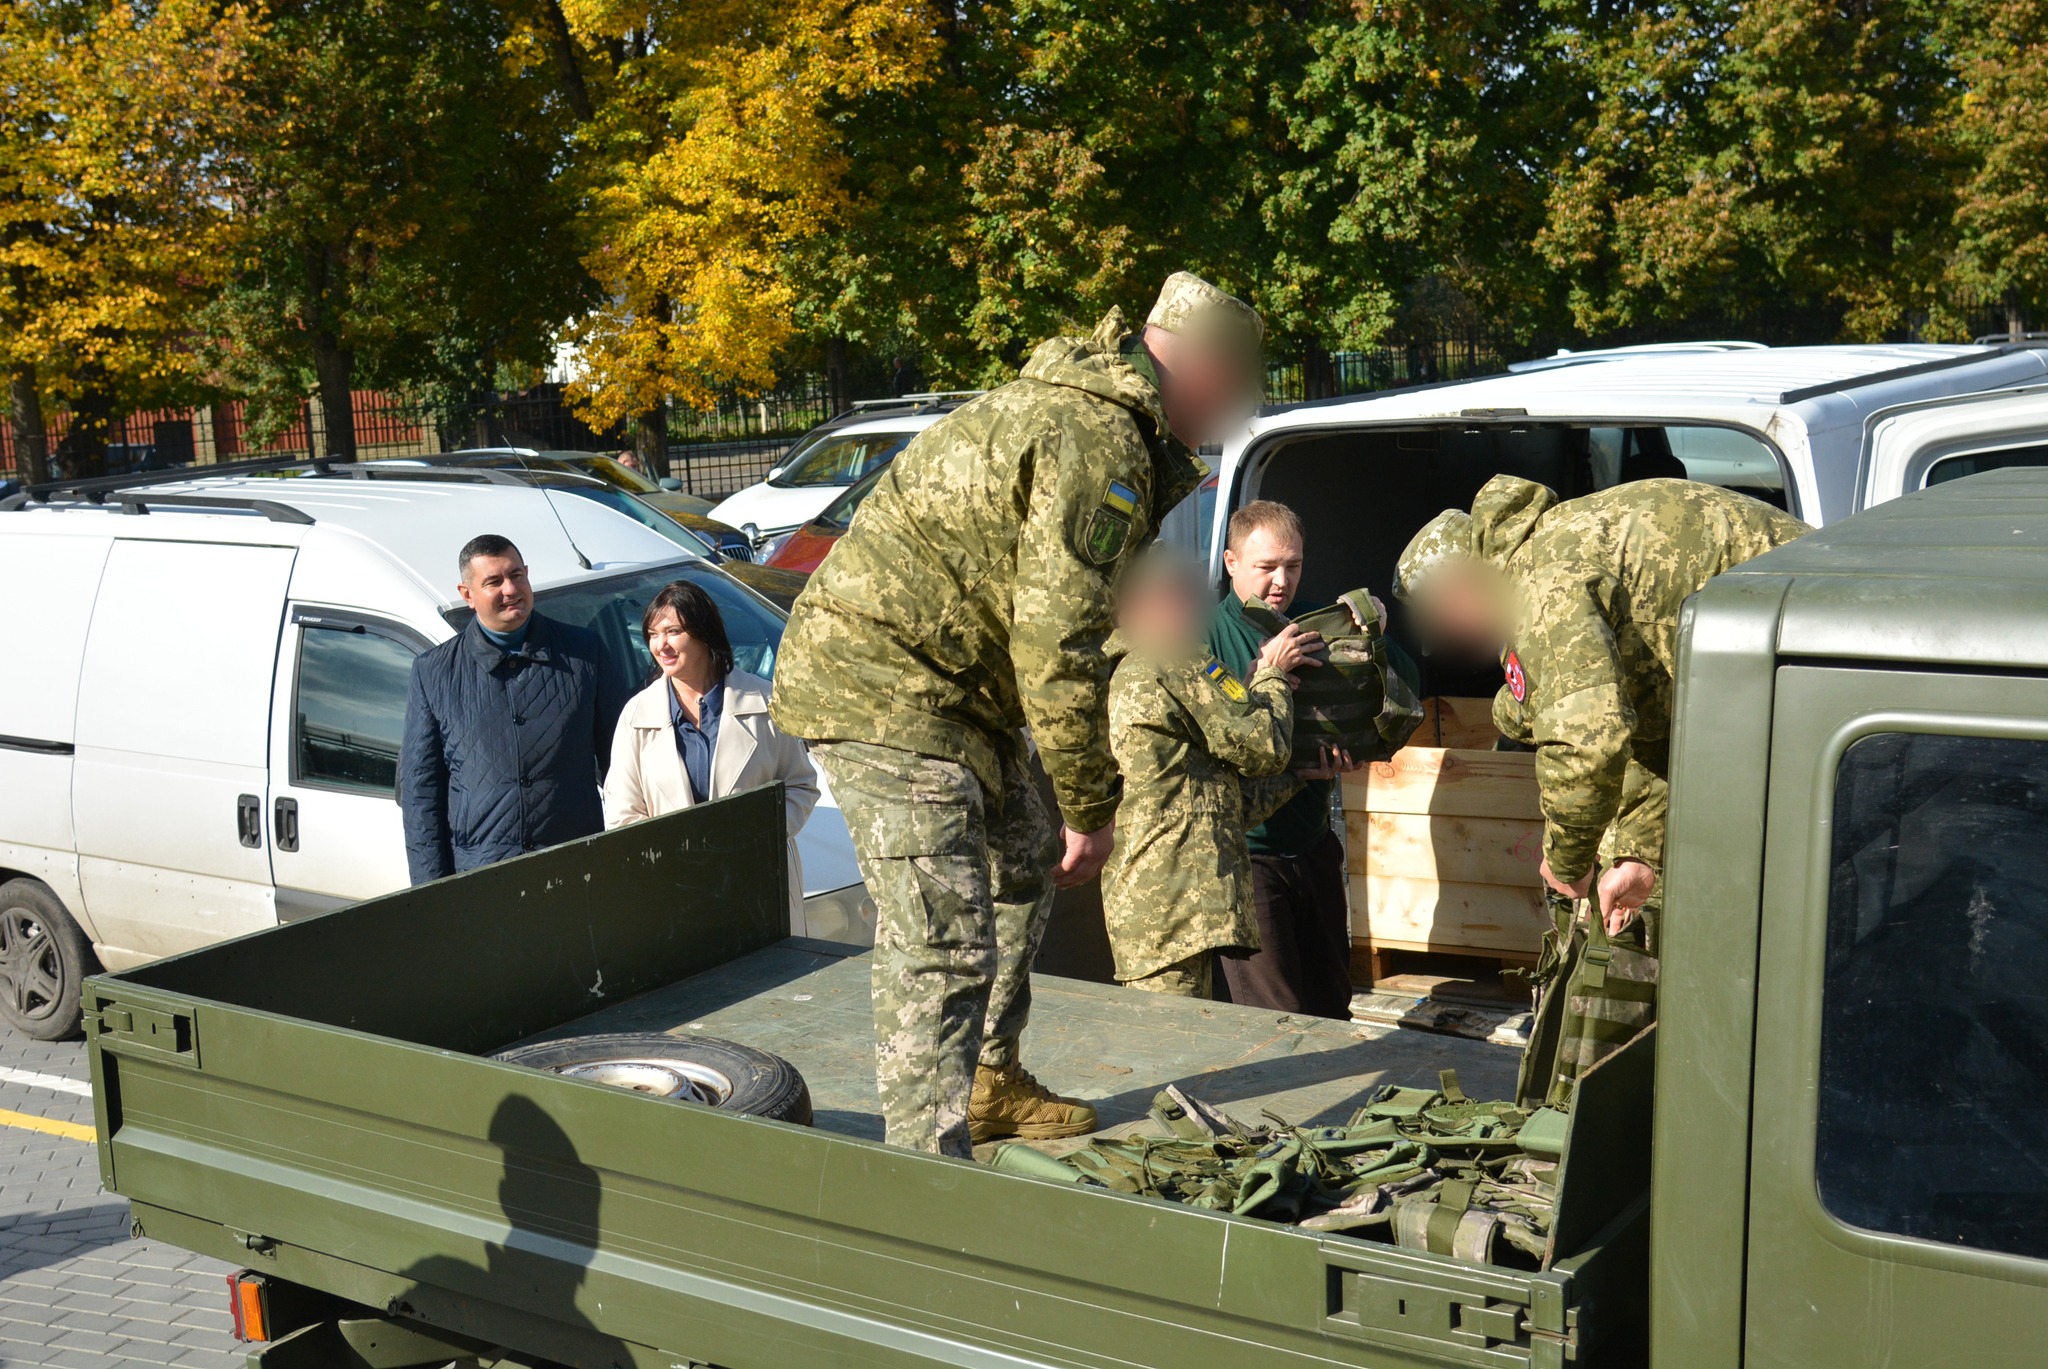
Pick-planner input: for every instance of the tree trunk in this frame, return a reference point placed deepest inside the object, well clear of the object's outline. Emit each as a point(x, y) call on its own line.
point(836, 386)
point(650, 441)
point(2015, 324)
point(31, 445)
point(561, 47)
point(333, 372)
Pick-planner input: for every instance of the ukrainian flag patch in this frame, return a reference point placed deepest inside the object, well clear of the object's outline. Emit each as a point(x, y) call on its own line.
point(1215, 674)
point(1122, 498)
point(1109, 526)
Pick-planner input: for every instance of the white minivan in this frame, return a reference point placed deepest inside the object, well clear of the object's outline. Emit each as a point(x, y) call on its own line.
point(205, 689)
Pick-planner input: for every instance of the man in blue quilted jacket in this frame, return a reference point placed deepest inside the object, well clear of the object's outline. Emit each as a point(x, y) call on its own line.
point(505, 727)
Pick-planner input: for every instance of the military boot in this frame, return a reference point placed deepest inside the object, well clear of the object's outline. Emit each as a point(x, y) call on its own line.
point(1009, 1102)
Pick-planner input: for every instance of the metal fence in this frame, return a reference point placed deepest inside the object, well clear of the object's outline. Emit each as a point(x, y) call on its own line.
point(714, 451)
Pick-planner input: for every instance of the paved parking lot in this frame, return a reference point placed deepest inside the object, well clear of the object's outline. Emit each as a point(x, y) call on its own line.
point(75, 1291)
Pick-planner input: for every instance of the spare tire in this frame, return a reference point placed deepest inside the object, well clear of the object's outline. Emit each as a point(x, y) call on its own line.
point(692, 1069)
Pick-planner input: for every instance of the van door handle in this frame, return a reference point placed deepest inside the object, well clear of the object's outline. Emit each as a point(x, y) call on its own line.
point(249, 819)
point(285, 826)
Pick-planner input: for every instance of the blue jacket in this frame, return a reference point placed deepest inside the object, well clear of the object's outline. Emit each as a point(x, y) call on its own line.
point(504, 750)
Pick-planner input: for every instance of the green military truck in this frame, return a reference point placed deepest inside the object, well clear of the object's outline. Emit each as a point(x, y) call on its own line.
point(1846, 1163)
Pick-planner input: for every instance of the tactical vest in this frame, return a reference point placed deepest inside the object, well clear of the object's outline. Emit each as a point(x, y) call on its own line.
point(1429, 1170)
point(1358, 699)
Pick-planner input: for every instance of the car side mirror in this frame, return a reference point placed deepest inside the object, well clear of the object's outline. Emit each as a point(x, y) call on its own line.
point(774, 473)
point(671, 484)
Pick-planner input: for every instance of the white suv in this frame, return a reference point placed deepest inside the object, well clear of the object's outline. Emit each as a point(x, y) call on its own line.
point(802, 487)
point(205, 691)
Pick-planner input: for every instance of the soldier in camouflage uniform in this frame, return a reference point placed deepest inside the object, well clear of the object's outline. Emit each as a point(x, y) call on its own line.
point(972, 597)
point(1582, 600)
point(1203, 756)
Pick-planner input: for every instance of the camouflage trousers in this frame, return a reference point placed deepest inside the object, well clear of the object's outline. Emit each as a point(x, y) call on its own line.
point(1595, 993)
point(1193, 977)
point(961, 877)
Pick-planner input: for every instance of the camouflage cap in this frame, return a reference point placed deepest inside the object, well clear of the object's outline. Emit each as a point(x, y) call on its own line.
point(1450, 534)
point(1190, 306)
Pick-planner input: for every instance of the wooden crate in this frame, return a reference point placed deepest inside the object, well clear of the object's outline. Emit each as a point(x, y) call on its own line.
point(1444, 845)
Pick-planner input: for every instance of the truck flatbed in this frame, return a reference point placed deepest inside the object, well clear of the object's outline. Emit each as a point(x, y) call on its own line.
point(809, 1002)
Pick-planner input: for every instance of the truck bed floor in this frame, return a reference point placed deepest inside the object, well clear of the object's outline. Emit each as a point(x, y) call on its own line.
point(809, 1002)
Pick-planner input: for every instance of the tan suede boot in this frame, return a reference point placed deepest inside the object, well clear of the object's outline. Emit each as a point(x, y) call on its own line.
point(1009, 1102)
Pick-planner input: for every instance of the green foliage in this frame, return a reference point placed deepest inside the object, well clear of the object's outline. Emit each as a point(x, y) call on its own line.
point(405, 221)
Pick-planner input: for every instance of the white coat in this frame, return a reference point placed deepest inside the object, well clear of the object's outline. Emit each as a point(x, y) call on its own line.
point(647, 779)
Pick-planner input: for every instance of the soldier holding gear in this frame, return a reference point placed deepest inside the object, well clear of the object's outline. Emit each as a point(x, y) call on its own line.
point(971, 598)
point(1582, 601)
point(1202, 754)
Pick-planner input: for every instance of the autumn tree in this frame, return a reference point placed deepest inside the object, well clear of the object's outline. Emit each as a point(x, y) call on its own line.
point(2001, 214)
point(706, 157)
point(399, 180)
point(112, 218)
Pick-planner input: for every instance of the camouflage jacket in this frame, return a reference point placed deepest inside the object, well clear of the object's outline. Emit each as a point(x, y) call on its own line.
point(973, 593)
point(1591, 666)
point(1202, 757)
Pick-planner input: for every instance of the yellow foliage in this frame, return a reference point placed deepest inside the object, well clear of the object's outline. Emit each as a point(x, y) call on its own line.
point(710, 154)
point(112, 213)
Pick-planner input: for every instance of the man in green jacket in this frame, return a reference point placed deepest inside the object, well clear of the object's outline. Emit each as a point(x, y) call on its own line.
point(1303, 964)
point(972, 597)
point(1581, 599)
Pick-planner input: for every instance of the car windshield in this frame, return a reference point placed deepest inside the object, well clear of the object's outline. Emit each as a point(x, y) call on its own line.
point(838, 514)
point(642, 513)
point(841, 460)
point(611, 605)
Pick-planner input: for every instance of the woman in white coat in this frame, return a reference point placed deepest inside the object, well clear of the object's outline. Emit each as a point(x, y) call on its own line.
point(700, 731)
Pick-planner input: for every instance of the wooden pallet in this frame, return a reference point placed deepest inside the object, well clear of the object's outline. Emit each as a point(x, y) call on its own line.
point(1444, 845)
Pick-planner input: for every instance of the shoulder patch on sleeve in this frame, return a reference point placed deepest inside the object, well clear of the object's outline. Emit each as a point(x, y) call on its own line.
point(1215, 673)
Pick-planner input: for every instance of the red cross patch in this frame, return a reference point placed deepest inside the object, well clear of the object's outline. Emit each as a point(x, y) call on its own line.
point(1518, 683)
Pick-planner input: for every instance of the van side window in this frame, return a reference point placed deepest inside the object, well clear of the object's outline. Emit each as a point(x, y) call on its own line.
point(1976, 463)
point(1934, 1016)
point(348, 709)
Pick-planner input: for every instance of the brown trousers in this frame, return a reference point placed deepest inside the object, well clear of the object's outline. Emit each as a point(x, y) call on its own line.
point(1303, 964)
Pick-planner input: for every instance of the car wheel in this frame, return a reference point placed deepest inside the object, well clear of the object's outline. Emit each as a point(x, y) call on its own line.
point(44, 959)
point(693, 1069)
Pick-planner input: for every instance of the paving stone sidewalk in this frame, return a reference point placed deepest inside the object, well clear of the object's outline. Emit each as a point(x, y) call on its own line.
point(75, 1291)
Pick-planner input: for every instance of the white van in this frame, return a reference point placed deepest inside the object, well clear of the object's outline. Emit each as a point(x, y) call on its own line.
point(205, 690)
point(803, 486)
point(1819, 431)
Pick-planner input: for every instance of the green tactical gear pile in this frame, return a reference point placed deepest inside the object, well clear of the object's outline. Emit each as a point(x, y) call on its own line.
point(1429, 1170)
point(1359, 699)
point(973, 593)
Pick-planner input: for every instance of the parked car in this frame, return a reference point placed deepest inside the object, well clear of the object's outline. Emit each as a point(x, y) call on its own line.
point(803, 549)
point(820, 466)
point(608, 481)
point(200, 719)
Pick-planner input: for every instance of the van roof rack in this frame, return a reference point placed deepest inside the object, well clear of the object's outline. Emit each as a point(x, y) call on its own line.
point(95, 488)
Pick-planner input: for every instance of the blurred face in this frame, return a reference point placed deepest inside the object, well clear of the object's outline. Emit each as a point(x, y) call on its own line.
point(1161, 614)
point(1265, 567)
point(1209, 390)
point(1465, 606)
point(680, 656)
point(496, 587)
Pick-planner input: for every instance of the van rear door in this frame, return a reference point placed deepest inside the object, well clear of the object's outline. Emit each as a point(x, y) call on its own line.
point(47, 584)
point(170, 794)
point(336, 835)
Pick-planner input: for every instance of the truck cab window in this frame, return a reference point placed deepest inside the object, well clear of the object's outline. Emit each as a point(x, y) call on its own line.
point(1933, 1115)
point(348, 710)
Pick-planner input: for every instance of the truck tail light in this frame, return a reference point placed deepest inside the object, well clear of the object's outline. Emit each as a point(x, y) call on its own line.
point(245, 1302)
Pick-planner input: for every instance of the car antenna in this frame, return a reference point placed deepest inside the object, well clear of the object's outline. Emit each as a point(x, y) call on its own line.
point(581, 559)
